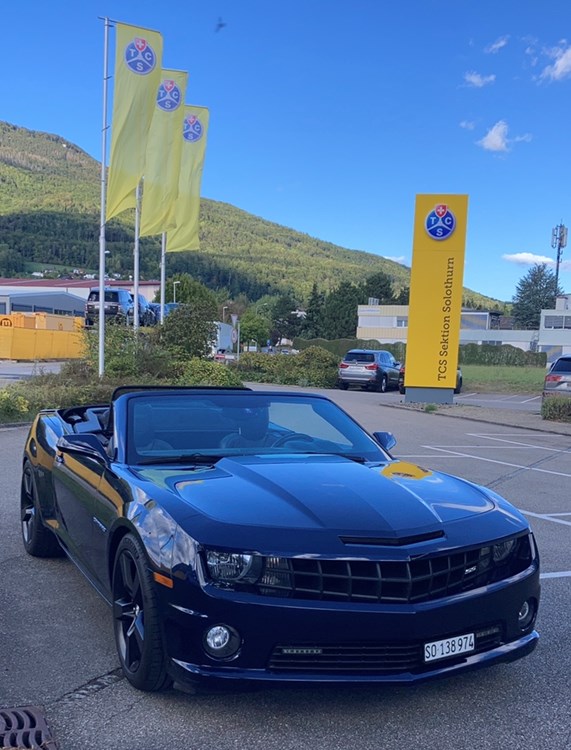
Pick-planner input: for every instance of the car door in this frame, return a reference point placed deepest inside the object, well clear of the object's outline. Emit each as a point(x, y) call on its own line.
point(76, 479)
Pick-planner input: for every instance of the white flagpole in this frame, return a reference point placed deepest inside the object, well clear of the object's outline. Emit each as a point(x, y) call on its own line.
point(163, 274)
point(103, 200)
point(136, 258)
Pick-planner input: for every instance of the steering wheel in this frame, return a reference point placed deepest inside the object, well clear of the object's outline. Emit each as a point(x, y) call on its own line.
point(284, 439)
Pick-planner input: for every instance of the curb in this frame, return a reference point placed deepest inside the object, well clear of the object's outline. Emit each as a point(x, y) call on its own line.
point(481, 420)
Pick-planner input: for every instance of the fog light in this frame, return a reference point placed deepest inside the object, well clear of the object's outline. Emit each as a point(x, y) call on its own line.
point(526, 614)
point(221, 642)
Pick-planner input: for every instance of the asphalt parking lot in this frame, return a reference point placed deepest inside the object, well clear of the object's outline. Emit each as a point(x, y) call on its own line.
point(57, 648)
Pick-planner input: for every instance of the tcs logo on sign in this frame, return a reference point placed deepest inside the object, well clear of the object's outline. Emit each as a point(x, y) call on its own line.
point(440, 222)
point(140, 57)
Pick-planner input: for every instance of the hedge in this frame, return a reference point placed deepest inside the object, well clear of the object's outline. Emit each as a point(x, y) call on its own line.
point(556, 408)
point(469, 354)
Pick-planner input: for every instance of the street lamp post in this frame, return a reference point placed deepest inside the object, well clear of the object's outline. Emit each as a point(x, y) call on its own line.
point(558, 242)
point(224, 313)
point(174, 286)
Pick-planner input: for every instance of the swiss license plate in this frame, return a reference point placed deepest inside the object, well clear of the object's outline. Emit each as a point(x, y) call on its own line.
point(449, 647)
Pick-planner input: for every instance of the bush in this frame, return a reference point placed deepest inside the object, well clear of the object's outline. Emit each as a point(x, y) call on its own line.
point(202, 372)
point(339, 347)
point(13, 406)
point(556, 408)
point(313, 366)
point(506, 354)
point(128, 353)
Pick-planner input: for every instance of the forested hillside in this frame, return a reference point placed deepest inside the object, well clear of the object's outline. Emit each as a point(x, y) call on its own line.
point(49, 214)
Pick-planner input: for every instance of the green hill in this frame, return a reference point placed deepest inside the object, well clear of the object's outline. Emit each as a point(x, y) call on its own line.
point(49, 214)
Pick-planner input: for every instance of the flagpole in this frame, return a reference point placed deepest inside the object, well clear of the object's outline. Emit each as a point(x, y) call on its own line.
point(136, 258)
point(103, 200)
point(163, 274)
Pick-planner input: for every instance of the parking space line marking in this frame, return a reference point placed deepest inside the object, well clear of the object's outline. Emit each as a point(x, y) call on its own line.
point(523, 446)
point(560, 514)
point(517, 443)
point(563, 574)
point(535, 398)
point(501, 463)
point(465, 395)
point(557, 435)
point(544, 517)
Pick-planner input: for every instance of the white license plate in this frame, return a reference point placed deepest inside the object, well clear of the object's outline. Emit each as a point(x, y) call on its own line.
point(449, 647)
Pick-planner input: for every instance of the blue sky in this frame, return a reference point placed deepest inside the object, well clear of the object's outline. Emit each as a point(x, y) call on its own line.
point(329, 116)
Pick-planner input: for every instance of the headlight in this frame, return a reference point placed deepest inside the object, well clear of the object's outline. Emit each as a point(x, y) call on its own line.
point(225, 567)
point(502, 550)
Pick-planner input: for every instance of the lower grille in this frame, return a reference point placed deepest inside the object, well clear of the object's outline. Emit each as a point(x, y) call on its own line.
point(367, 658)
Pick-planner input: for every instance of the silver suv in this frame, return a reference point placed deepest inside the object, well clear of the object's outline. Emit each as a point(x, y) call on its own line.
point(558, 380)
point(374, 369)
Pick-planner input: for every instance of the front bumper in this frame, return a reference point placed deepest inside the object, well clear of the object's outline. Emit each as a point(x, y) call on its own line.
point(328, 632)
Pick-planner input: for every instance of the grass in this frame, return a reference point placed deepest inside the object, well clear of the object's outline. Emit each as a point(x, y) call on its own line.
point(502, 379)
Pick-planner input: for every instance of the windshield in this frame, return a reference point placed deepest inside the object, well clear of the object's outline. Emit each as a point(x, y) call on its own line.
point(221, 424)
point(109, 297)
point(359, 357)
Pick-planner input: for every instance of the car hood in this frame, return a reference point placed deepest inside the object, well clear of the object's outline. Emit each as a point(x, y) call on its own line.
point(307, 494)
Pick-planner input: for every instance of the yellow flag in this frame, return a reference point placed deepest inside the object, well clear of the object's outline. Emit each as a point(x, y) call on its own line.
point(164, 149)
point(187, 207)
point(137, 76)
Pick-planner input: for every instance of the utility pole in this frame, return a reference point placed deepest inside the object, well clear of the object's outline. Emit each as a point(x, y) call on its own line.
point(558, 242)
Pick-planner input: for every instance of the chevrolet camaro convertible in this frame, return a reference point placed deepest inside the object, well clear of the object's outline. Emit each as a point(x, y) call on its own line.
point(257, 535)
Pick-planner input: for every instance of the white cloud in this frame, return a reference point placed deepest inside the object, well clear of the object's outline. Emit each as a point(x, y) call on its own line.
point(497, 45)
point(468, 124)
point(531, 259)
point(400, 259)
point(528, 259)
point(496, 139)
point(561, 68)
point(478, 81)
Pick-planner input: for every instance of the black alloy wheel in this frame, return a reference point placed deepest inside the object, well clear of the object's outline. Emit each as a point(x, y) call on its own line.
point(38, 540)
point(138, 635)
point(342, 385)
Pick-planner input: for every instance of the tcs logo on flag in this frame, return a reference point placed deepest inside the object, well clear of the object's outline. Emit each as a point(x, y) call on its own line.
point(440, 222)
point(192, 129)
point(140, 57)
point(168, 96)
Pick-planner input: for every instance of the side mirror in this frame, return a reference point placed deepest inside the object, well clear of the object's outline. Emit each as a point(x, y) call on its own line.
point(385, 439)
point(85, 444)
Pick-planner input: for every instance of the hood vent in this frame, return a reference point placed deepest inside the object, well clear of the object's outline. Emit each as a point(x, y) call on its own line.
point(403, 541)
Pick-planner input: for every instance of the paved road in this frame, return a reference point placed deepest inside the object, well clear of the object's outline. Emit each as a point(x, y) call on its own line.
point(56, 646)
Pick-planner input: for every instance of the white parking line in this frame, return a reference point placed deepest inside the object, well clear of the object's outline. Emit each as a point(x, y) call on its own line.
point(494, 461)
point(544, 517)
point(504, 439)
point(563, 574)
point(535, 398)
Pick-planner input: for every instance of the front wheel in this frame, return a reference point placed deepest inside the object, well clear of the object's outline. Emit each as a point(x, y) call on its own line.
point(138, 635)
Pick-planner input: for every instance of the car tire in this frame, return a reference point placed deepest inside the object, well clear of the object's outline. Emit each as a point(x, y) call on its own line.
point(136, 622)
point(402, 390)
point(383, 384)
point(342, 385)
point(458, 388)
point(39, 541)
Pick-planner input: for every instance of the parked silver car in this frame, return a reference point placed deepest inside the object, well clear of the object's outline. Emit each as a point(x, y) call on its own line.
point(558, 380)
point(376, 369)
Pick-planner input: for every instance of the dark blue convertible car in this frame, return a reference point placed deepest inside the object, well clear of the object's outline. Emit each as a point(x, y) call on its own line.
point(252, 535)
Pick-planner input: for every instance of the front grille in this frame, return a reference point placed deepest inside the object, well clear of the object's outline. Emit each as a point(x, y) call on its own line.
point(368, 658)
point(385, 581)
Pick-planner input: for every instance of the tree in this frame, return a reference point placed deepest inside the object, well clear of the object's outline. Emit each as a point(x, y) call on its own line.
point(378, 286)
point(254, 327)
point(312, 326)
point(536, 291)
point(190, 291)
point(189, 331)
point(285, 322)
point(340, 311)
